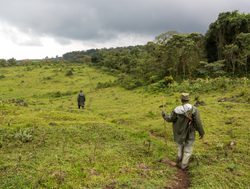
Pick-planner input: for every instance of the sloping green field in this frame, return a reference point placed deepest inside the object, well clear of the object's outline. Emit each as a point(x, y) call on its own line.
point(118, 141)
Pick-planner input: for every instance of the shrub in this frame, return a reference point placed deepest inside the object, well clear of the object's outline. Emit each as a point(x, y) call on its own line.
point(129, 82)
point(69, 73)
point(158, 86)
point(103, 85)
point(58, 94)
point(18, 102)
point(24, 135)
point(47, 78)
point(154, 79)
point(168, 80)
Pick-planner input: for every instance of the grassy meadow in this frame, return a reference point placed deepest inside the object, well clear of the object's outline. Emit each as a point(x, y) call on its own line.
point(119, 139)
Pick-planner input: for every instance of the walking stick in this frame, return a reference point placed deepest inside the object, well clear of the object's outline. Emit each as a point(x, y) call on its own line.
point(164, 122)
point(165, 132)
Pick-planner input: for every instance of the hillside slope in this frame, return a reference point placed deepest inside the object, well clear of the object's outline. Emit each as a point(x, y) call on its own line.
point(118, 141)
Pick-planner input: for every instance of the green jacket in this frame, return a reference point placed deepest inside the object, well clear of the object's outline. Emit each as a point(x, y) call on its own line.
point(184, 127)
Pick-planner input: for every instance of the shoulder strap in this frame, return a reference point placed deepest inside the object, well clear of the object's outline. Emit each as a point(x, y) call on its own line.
point(188, 115)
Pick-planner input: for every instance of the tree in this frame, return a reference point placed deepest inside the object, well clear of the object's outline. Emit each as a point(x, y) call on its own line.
point(184, 52)
point(243, 43)
point(164, 37)
point(231, 53)
point(3, 62)
point(11, 61)
point(224, 31)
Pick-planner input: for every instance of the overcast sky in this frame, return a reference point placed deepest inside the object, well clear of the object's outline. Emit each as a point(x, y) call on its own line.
point(39, 28)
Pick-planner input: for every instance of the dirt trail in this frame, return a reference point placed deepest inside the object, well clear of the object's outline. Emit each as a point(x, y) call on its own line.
point(181, 180)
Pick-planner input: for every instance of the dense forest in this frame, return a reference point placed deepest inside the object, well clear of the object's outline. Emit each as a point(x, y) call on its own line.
point(223, 51)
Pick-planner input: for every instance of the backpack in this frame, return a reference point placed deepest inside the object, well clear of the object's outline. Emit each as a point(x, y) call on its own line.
point(189, 115)
point(191, 124)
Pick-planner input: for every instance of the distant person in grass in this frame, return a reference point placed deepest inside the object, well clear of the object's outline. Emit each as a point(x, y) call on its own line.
point(186, 120)
point(81, 100)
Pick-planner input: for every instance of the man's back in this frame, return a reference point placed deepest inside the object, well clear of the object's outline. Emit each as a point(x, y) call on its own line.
point(185, 120)
point(81, 100)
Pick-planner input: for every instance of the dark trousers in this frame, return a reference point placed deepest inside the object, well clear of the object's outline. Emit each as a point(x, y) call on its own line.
point(79, 106)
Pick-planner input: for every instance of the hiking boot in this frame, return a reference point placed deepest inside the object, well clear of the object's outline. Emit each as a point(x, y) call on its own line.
point(184, 167)
point(178, 162)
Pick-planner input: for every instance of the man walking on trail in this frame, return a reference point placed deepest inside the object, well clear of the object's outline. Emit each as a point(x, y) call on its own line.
point(186, 120)
point(81, 100)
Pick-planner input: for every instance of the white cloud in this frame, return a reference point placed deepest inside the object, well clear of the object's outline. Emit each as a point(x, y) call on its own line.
point(20, 45)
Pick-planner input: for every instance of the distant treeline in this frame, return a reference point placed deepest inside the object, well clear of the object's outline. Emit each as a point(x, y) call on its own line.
point(223, 50)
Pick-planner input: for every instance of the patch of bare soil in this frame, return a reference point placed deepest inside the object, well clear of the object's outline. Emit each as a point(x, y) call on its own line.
point(180, 180)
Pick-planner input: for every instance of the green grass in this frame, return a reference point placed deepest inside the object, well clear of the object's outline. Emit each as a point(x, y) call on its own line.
point(118, 140)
